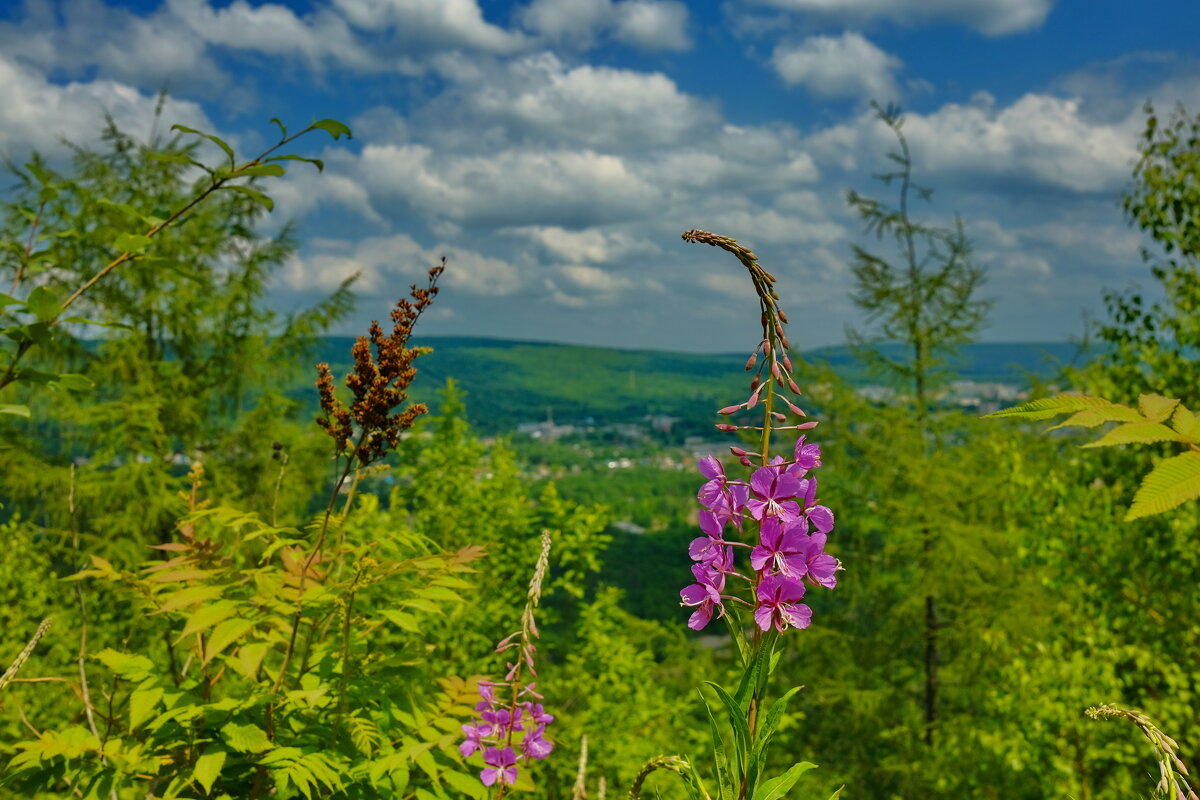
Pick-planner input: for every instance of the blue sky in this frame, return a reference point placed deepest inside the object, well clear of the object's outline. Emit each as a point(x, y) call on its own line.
point(554, 150)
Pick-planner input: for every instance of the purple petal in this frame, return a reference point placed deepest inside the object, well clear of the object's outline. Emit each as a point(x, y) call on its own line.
point(787, 486)
point(700, 617)
point(704, 548)
point(763, 481)
point(793, 565)
point(771, 533)
point(759, 557)
point(822, 518)
point(797, 615)
point(693, 595)
point(488, 776)
point(711, 524)
point(762, 617)
point(710, 467)
point(822, 568)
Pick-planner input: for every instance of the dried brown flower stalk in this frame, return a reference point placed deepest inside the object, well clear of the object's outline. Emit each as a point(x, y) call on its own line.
point(379, 382)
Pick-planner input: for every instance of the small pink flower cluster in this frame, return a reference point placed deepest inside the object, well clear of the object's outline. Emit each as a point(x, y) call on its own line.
point(781, 500)
point(494, 733)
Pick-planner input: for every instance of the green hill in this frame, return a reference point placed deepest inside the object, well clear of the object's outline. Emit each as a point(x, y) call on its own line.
point(509, 382)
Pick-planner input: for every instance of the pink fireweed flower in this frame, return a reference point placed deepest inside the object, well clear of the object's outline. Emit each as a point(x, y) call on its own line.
point(706, 548)
point(475, 735)
point(705, 594)
point(777, 595)
point(714, 487)
point(538, 714)
point(820, 516)
point(534, 745)
point(782, 547)
point(501, 765)
point(775, 492)
point(821, 567)
point(806, 457)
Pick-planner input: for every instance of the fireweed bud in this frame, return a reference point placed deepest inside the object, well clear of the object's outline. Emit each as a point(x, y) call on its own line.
point(737, 451)
point(754, 384)
point(792, 385)
point(783, 317)
point(783, 340)
point(725, 427)
point(779, 416)
point(775, 371)
point(795, 409)
point(727, 410)
point(751, 361)
point(806, 426)
point(787, 362)
point(745, 461)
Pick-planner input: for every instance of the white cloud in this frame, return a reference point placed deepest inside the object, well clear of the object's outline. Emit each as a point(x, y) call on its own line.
point(594, 245)
point(652, 24)
point(388, 264)
point(511, 187)
point(38, 114)
point(273, 30)
point(645, 24)
point(432, 24)
point(150, 51)
point(1038, 140)
point(844, 66)
point(990, 17)
point(601, 107)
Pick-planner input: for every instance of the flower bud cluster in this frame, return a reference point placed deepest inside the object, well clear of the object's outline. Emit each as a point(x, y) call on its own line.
point(779, 507)
point(496, 729)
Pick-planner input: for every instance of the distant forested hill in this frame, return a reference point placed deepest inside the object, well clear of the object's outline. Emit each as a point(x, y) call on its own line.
point(509, 382)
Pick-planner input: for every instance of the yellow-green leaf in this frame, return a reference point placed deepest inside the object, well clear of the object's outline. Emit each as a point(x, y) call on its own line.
point(1135, 433)
point(1173, 481)
point(224, 635)
point(406, 621)
point(142, 703)
point(246, 738)
point(1185, 422)
point(208, 768)
point(189, 596)
point(207, 616)
point(1047, 407)
point(1155, 407)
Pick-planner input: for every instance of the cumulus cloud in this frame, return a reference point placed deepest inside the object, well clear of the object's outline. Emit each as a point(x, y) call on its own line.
point(433, 24)
point(603, 107)
point(569, 188)
point(38, 114)
point(990, 17)
point(645, 24)
point(1037, 140)
point(652, 24)
point(388, 264)
point(595, 245)
point(842, 66)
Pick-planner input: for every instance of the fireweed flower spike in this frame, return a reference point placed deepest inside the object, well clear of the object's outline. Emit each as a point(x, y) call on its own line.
point(503, 711)
point(770, 510)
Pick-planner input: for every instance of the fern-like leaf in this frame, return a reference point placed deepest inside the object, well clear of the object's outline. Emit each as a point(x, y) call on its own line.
point(1174, 481)
point(1047, 407)
point(1136, 433)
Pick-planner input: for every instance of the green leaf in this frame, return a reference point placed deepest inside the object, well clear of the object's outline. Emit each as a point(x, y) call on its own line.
point(269, 170)
point(174, 158)
point(9, 300)
point(247, 738)
point(215, 140)
point(131, 243)
point(1047, 407)
point(735, 633)
point(207, 616)
point(126, 665)
point(406, 621)
point(1186, 423)
point(263, 200)
point(467, 785)
point(738, 723)
point(318, 163)
point(15, 410)
point(282, 127)
point(332, 127)
point(763, 737)
point(1135, 433)
point(226, 634)
point(208, 768)
point(142, 703)
point(43, 304)
point(1155, 407)
point(725, 787)
point(1173, 481)
point(73, 382)
point(778, 787)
